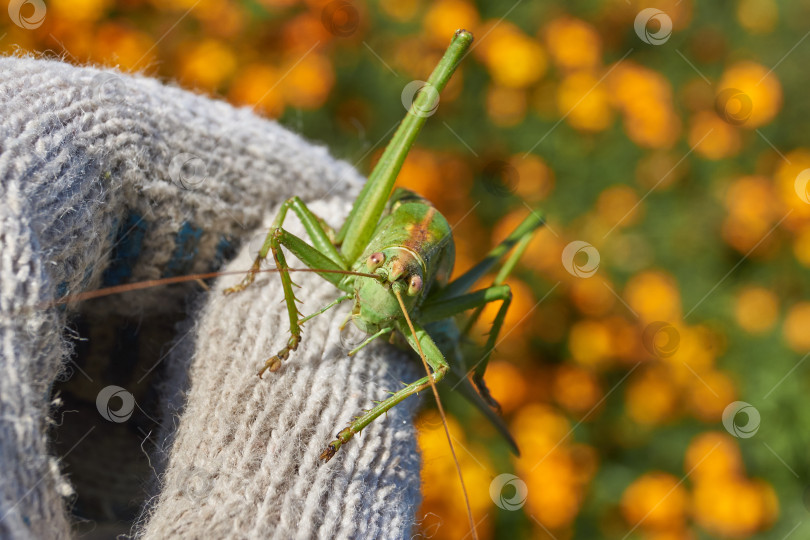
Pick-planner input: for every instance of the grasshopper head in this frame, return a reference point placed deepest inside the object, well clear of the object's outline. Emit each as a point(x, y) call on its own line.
point(375, 306)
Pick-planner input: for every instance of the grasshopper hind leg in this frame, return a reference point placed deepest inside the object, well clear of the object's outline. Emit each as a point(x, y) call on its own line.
point(435, 360)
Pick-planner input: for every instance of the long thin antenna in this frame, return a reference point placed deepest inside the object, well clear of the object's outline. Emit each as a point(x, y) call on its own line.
point(117, 289)
point(441, 411)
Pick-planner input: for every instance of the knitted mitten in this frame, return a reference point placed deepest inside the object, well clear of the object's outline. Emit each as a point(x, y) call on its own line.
point(106, 179)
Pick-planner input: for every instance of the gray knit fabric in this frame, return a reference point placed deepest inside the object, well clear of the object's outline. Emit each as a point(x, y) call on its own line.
point(108, 178)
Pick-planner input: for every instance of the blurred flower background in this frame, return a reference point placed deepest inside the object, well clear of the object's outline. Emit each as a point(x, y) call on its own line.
point(652, 365)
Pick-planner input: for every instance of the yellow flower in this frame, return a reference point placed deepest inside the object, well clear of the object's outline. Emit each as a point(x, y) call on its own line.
point(656, 500)
point(756, 309)
point(761, 92)
point(584, 102)
point(573, 43)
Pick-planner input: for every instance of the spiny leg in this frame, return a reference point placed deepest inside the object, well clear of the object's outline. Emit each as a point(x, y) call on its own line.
point(274, 362)
point(447, 308)
point(311, 257)
point(316, 229)
point(436, 362)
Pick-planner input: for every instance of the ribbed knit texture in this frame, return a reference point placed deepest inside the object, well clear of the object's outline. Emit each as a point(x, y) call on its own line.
point(92, 192)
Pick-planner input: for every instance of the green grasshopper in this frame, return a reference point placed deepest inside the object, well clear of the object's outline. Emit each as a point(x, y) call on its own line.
point(393, 257)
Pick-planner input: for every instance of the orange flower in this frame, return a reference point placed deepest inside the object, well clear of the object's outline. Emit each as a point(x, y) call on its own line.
point(590, 343)
point(713, 138)
point(207, 64)
point(795, 327)
point(514, 60)
point(656, 500)
point(793, 187)
point(79, 10)
point(506, 106)
point(577, 389)
point(573, 43)
point(441, 490)
point(753, 209)
point(651, 397)
point(654, 296)
point(535, 177)
point(757, 94)
point(619, 205)
point(645, 98)
point(119, 45)
point(584, 102)
point(308, 81)
point(257, 85)
point(729, 507)
point(506, 384)
point(756, 309)
point(712, 456)
point(591, 296)
point(710, 394)
point(446, 16)
point(758, 16)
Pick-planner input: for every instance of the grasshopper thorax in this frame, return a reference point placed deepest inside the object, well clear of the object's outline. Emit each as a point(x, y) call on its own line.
point(398, 269)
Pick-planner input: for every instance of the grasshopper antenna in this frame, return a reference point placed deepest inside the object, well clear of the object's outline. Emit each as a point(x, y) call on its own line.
point(441, 412)
point(148, 284)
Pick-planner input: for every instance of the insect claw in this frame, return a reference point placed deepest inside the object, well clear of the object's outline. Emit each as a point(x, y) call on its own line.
point(329, 452)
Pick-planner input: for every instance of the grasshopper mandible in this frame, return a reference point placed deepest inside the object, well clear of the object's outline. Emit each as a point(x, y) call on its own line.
point(403, 247)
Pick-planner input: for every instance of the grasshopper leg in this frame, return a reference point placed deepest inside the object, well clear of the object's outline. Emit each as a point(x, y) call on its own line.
point(443, 309)
point(436, 362)
point(321, 255)
point(322, 237)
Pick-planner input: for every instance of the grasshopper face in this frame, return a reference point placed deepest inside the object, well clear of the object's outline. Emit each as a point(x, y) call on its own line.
point(375, 306)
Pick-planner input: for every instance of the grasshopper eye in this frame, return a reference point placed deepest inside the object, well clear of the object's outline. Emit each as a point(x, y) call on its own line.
point(375, 260)
point(414, 285)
